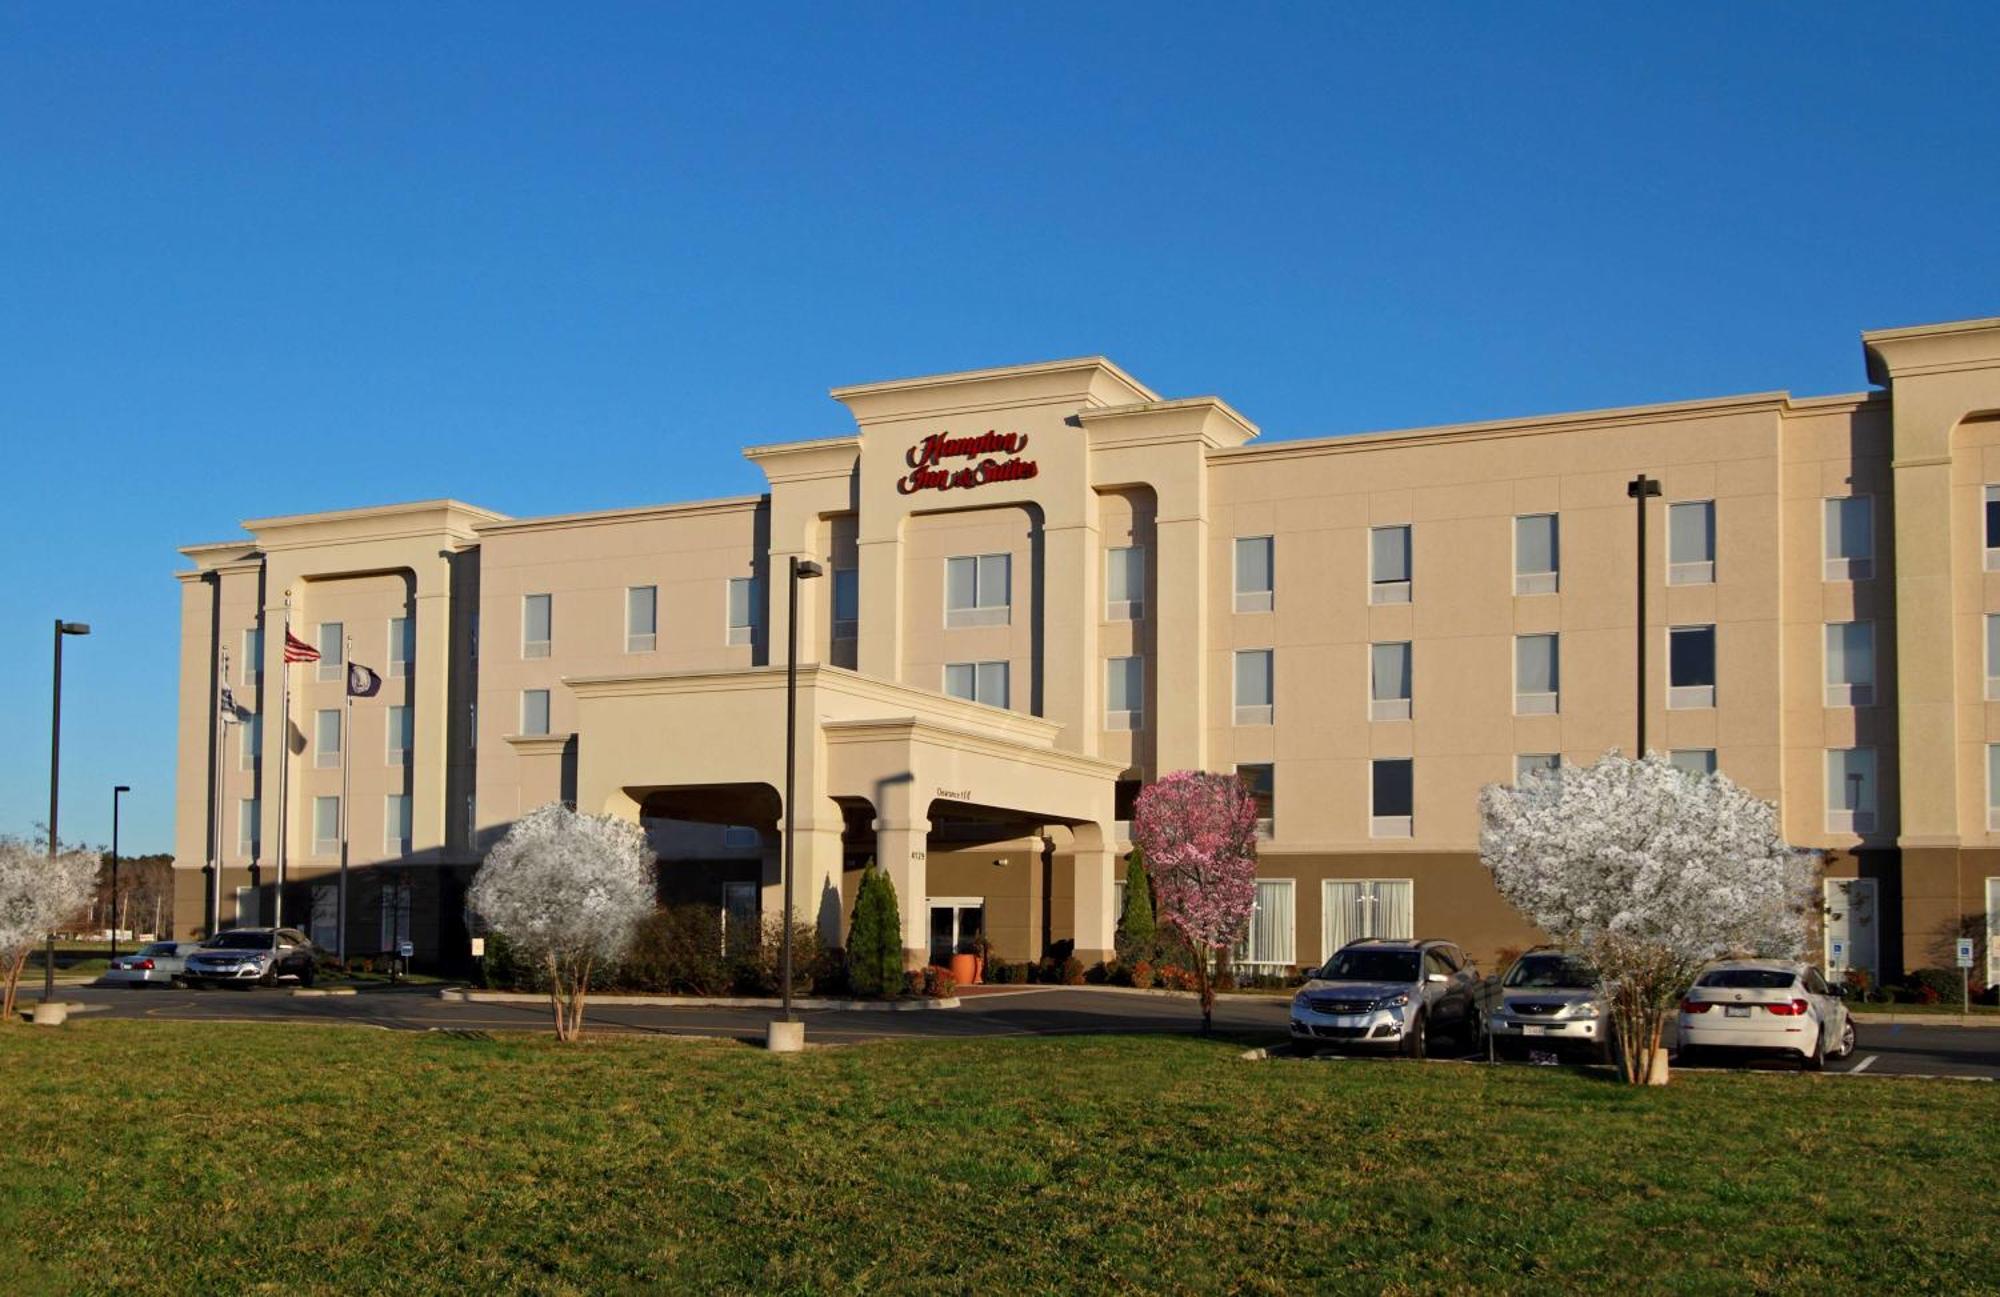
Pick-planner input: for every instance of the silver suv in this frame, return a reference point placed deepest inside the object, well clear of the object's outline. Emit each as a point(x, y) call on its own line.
point(1553, 1000)
point(1381, 992)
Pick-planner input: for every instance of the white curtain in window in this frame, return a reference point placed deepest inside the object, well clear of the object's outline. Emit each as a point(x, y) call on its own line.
point(535, 615)
point(1124, 684)
point(1390, 553)
point(960, 680)
point(1535, 544)
point(1125, 575)
point(961, 582)
point(1269, 939)
point(1253, 564)
point(1536, 669)
point(1850, 777)
point(1341, 922)
point(1691, 532)
point(1395, 910)
point(992, 684)
point(1850, 527)
point(1253, 678)
point(1391, 671)
point(996, 573)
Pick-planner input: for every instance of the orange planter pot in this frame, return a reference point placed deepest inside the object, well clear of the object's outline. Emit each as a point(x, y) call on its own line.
point(965, 969)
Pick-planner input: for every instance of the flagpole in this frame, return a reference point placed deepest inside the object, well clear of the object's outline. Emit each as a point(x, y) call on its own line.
point(215, 807)
point(346, 744)
point(284, 765)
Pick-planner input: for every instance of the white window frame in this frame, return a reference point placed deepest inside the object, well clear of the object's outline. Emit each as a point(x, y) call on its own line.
point(391, 732)
point(844, 628)
point(1392, 826)
point(1544, 763)
point(1693, 697)
point(1392, 709)
point(326, 846)
point(1693, 571)
point(980, 612)
point(249, 828)
point(1857, 567)
point(1393, 591)
point(1858, 820)
point(745, 632)
point(1543, 704)
point(1842, 694)
point(638, 641)
point(533, 648)
point(393, 842)
point(325, 758)
point(1328, 948)
point(1006, 681)
point(1550, 581)
point(548, 713)
point(1129, 718)
point(1264, 600)
point(1245, 957)
point(402, 649)
point(250, 745)
point(1264, 713)
point(1129, 608)
point(253, 654)
point(1267, 825)
point(332, 664)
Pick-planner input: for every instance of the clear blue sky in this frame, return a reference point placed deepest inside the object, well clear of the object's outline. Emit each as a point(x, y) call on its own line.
point(266, 258)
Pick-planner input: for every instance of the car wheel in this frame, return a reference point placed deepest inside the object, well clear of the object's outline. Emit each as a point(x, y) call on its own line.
point(1815, 1061)
point(1847, 1041)
point(1472, 1033)
point(1413, 1039)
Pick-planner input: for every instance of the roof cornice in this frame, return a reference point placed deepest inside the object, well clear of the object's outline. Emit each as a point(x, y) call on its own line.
point(610, 517)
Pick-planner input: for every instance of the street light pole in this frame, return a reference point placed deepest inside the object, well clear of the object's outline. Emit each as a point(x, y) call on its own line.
point(799, 570)
point(1640, 489)
point(116, 792)
point(55, 782)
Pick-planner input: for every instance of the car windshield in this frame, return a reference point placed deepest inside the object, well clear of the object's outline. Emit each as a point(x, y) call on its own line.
point(159, 948)
point(241, 941)
point(1371, 966)
point(1748, 979)
point(1551, 971)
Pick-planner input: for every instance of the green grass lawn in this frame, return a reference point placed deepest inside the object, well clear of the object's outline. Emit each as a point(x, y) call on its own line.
point(153, 1156)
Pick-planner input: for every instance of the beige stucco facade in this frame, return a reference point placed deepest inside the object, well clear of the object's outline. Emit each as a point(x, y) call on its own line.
point(1046, 538)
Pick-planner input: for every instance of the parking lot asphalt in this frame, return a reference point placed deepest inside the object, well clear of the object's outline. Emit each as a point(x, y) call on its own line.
point(1886, 1049)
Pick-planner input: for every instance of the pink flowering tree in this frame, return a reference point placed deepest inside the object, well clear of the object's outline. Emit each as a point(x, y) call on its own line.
point(1199, 833)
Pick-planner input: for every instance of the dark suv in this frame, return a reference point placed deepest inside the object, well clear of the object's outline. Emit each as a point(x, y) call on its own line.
point(1382, 992)
point(252, 957)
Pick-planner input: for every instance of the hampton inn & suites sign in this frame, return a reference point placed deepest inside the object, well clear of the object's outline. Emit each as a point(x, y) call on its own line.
point(989, 457)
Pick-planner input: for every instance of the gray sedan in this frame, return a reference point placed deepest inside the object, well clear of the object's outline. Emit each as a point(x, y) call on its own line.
point(157, 963)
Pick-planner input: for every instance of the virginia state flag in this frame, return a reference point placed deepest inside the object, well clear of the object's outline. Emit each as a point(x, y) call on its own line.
point(361, 682)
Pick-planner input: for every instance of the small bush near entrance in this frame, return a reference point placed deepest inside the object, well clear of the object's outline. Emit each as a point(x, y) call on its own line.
point(875, 937)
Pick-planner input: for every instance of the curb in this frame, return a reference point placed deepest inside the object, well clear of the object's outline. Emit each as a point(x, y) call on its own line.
point(1268, 998)
point(315, 991)
point(1989, 1021)
point(710, 1001)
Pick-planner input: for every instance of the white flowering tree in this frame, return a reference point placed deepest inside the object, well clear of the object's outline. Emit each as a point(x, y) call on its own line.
point(567, 891)
point(1650, 872)
point(37, 895)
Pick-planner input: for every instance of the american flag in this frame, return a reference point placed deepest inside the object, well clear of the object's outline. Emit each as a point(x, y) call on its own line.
point(297, 650)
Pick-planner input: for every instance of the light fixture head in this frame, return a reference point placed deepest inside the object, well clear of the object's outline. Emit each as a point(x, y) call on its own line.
point(73, 627)
point(805, 569)
point(121, 788)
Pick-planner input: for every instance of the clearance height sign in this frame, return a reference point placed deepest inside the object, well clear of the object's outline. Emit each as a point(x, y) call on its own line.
point(942, 462)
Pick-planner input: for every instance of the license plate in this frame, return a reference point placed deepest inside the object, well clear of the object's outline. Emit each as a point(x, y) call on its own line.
point(1736, 1011)
point(1532, 1029)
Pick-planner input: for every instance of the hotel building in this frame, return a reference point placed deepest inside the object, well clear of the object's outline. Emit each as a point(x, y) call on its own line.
point(1047, 584)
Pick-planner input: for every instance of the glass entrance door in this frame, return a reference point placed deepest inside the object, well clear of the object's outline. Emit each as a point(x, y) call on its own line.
point(956, 922)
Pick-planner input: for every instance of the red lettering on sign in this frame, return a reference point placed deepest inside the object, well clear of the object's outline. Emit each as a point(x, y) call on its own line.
point(926, 460)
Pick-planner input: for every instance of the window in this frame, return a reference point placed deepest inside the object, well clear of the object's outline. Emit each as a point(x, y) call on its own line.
point(326, 825)
point(1125, 583)
point(1691, 666)
point(1992, 528)
point(252, 742)
point(846, 602)
point(1850, 537)
point(1850, 790)
point(1267, 946)
point(326, 916)
point(1253, 687)
point(1992, 792)
point(1389, 684)
point(1691, 542)
point(402, 645)
point(332, 651)
point(326, 738)
point(537, 623)
point(1124, 693)
point(642, 618)
point(1850, 664)
point(1699, 762)
point(1537, 675)
point(978, 590)
point(1993, 657)
point(1354, 909)
point(1389, 564)
point(742, 610)
point(534, 711)
point(1392, 795)
point(249, 829)
point(253, 655)
point(1261, 782)
point(1124, 796)
point(399, 729)
point(397, 897)
point(396, 823)
point(1536, 554)
point(246, 907)
point(1254, 574)
point(979, 682)
point(1531, 764)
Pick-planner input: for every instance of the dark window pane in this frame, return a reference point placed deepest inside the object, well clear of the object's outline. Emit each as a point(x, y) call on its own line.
point(1392, 788)
point(1693, 657)
point(1993, 524)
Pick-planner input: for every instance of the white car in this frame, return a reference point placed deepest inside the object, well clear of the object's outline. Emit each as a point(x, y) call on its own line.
point(1768, 1006)
point(157, 963)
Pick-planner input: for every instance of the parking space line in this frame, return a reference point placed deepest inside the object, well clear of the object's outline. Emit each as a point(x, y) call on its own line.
point(1863, 1065)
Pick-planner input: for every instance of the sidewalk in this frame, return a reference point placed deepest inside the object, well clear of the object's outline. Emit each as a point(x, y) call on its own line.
point(1991, 1021)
